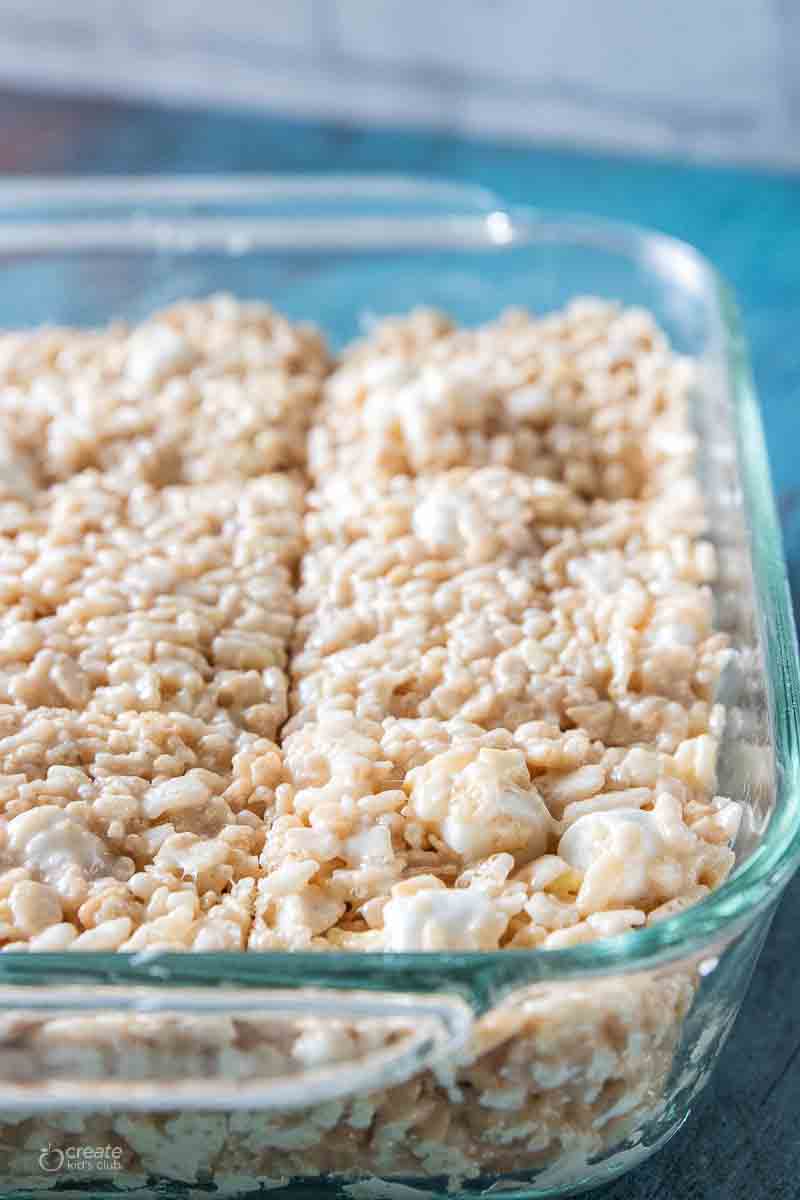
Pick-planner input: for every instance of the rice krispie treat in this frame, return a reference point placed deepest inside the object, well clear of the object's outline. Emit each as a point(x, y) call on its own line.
point(500, 599)
point(585, 396)
point(204, 391)
point(172, 600)
point(133, 830)
point(144, 630)
point(430, 835)
point(550, 631)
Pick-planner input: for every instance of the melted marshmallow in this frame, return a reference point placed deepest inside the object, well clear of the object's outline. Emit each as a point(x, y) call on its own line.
point(481, 804)
point(49, 842)
point(443, 919)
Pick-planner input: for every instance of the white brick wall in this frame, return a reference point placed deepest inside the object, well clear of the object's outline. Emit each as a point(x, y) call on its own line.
point(707, 78)
point(278, 26)
point(661, 52)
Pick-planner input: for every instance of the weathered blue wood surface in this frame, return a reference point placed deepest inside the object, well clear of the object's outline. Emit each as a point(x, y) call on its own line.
point(744, 1143)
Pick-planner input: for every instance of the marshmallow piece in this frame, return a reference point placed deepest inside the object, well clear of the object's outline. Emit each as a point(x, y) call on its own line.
point(442, 521)
point(614, 851)
point(369, 846)
point(598, 832)
point(481, 804)
point(155, 352)
point(173, 795)
point(34, 906)
point(51, 843)
point(532, 403)
point(443, 919)
point(430, 401)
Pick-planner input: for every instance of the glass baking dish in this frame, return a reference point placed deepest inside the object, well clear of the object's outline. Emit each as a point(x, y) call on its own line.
point(534, 1073)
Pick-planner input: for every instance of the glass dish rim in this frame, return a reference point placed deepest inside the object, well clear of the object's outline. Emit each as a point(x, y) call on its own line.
point(495, 224)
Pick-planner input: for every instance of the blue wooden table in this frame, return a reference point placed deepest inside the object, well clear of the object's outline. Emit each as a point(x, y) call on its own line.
point(744, 1141)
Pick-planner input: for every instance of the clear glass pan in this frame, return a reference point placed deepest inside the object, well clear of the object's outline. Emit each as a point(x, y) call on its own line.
point(341, 252)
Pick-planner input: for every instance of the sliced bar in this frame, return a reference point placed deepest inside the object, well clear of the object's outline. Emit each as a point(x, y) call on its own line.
point(146, 610)
point(208, 390)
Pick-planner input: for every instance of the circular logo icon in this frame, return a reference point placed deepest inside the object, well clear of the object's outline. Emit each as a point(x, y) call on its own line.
point(51, 1159)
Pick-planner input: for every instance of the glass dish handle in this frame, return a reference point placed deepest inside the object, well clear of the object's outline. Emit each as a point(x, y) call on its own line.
point(158, 1049)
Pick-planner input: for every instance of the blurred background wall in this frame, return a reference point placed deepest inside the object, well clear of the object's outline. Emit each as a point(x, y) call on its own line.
point(708, 79)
